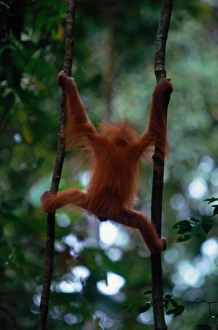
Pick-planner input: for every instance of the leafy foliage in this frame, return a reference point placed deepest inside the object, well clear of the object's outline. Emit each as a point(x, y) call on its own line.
point(140, 306)
point(195, 227)
point(113, 56)
point(177, 308)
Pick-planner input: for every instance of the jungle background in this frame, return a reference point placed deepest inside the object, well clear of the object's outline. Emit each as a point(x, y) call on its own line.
point(101, 275)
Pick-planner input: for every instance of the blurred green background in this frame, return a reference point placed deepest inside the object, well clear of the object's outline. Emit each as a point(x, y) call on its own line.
point(99, 269)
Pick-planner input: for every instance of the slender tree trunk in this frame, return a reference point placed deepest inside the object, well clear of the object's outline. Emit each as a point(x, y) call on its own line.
point(157, 187)
point(49, 250)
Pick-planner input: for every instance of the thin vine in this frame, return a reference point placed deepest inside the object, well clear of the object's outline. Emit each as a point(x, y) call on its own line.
point(157, 186)
point(50, 235)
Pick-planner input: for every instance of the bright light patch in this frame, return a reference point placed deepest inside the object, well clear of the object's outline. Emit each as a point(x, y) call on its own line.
point(59, 246)
point(105, 321)
point(111, 234)
point(114, 253)
point(17, 137)
point(70, 287)
point(108, 233)
point(214, 177)
point(206, 164)
point(113, 285)
point(63, 219)
point(81, 272)
point(205, 266)
point(146, 317)
point(36, 299)
point(85, 176)
point(72, 241)
point(190, 275)
point(198, 188)
point(210, 247)
point(177, 202)
point(171, 256)
point(70, 319)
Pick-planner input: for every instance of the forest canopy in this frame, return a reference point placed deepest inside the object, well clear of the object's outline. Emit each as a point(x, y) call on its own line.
point(101, 274)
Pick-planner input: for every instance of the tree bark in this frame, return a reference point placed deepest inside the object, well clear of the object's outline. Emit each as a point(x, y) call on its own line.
point(50, 235)
point(157, 186)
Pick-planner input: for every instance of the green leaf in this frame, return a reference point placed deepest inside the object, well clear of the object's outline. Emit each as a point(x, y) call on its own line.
point(133, 305)
point(124, 306)
point(201, 236)
point(176, 311)
point(215, 211)
point(206, 227)
point(211, 200)
point(182, 231)
point(203, 327)
point(183, 238)
point(145, 308)
point(182, 224)
point(179, 310)
point(194, 220)
point(171, 311)
point(174, 302)
point(168, 297)
point(147, 292)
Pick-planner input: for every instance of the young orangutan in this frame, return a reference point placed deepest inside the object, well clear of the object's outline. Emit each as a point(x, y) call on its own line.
point(114, 155)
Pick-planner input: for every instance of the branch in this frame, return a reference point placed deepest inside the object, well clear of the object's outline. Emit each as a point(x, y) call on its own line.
point(49, 251)
point(161, 39)
point(157, 186)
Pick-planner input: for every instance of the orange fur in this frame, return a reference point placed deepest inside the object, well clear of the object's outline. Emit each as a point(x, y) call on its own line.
point(114, 155)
